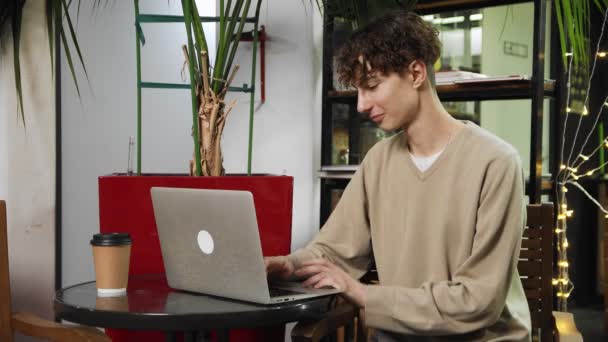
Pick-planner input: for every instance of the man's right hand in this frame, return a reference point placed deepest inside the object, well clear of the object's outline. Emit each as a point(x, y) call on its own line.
point(278, 267)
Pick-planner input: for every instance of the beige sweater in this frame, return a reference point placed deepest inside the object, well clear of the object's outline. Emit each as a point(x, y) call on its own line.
point(445, 241)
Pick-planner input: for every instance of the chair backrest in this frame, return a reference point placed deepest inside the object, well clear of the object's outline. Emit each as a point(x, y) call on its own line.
point(536, 267)
point(6, 331)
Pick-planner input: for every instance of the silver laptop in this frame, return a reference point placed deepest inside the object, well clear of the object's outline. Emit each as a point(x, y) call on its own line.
point(210, 244)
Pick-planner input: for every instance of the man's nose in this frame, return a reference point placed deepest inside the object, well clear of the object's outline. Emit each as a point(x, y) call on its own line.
point(363, 103)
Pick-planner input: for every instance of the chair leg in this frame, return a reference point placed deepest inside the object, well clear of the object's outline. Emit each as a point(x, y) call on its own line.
point(340, 335)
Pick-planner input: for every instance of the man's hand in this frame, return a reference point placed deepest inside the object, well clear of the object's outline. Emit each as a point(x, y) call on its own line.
point(278, 267)
point(322, 273)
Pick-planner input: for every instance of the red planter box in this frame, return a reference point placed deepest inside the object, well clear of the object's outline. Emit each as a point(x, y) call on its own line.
point(125, 205)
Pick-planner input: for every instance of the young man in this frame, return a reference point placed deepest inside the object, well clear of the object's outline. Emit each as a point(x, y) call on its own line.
point(439, 206)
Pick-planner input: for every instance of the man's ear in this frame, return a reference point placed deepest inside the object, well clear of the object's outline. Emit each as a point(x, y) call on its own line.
point(417, 70)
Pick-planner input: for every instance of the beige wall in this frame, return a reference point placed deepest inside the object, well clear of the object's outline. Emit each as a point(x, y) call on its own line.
point(27, 167)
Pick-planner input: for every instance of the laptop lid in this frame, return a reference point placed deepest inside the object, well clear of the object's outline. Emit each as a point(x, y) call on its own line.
point(210, 242)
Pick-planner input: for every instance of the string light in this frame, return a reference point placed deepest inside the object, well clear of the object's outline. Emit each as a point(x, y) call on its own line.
point(564, 285)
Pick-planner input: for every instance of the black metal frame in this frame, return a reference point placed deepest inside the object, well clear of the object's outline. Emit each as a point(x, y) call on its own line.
point(536, 89)
point(326, 121)
point(438, 6)
point(58, 160)
point(536, 119)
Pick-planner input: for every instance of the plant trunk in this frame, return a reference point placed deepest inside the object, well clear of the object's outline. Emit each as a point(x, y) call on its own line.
point(211, 119)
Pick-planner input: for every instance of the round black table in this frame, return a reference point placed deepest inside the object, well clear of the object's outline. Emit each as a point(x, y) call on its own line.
point(151, 305)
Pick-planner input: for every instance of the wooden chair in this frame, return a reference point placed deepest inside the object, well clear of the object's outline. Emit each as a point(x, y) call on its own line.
point(27, 323)
point(535, 269)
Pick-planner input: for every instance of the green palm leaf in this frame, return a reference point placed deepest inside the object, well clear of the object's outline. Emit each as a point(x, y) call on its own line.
point(11, 13)
point(74, 39)
point(16, 27)
point(573, 25)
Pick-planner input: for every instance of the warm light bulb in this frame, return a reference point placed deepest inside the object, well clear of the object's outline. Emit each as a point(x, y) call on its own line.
point(585, 111)
point(568, 54)
point(567, 295)
point(559, 294)
point(601, 54)
point(561, 217)
point(589, 173)
point(575, 177)
point(568, 110)
point(564, 189)
point(564, 206)
point(569, 213)
point(585, 158)
point(554, 282)
point(557, 230)
point(564, 281)
point(573, 169)
point(562, 264)
point(562, 167)
point(565, 244)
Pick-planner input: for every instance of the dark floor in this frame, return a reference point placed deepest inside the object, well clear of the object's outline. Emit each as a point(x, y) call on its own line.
point(590, 322)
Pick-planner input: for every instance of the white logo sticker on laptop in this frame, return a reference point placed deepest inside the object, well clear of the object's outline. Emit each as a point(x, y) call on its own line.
point(205, 242)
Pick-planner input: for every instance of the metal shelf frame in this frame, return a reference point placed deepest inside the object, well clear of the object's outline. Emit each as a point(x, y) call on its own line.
point(536, 89)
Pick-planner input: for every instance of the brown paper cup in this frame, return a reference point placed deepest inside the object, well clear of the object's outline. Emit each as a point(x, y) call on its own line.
point(111, 266)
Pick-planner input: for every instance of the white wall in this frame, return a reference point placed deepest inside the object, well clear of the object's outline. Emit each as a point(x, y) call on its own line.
point(285, 139)
point(27, 167)
point(510, 120)
point(96, 128)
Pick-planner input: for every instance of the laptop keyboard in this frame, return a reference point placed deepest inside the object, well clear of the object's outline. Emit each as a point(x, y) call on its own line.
point(274, 292)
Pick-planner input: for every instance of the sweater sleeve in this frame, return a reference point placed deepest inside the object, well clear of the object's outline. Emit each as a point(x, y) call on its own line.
point(476, 295)
point(345, 238)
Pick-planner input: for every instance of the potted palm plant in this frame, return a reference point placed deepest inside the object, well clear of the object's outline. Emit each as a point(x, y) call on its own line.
point(124, 200)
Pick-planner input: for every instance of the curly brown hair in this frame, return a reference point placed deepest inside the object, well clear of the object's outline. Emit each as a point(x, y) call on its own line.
point(389, 43)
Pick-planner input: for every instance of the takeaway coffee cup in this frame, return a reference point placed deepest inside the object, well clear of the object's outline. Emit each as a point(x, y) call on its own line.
point(111, 254)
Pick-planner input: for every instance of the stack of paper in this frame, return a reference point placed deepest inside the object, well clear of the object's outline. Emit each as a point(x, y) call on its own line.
point(466, 77)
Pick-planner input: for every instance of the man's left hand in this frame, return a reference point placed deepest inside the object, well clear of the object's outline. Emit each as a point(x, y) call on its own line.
point(322, 273)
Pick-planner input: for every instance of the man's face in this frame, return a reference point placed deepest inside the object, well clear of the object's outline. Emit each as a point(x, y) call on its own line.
point(391, 100)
